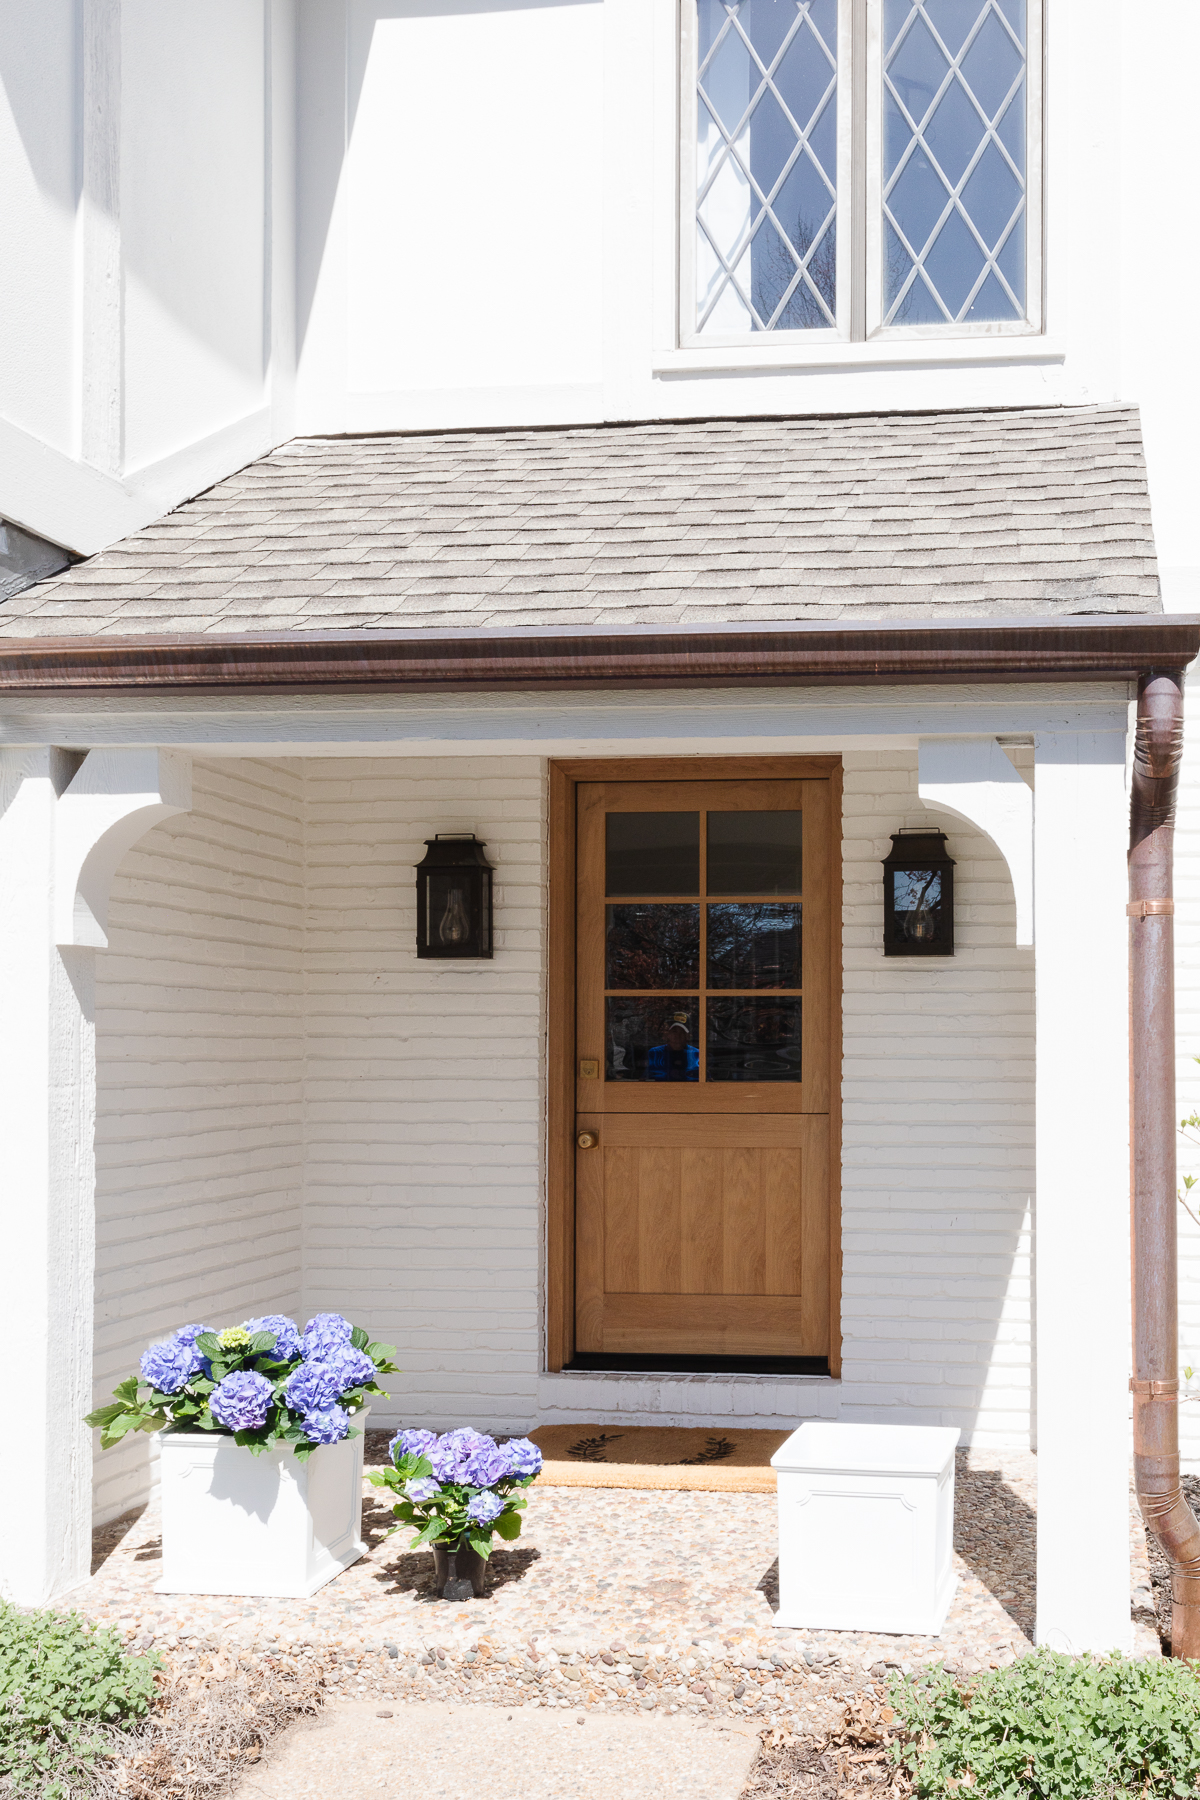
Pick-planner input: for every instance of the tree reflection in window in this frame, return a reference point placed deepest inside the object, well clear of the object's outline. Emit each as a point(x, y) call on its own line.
point(754, 945)
point(652, 947)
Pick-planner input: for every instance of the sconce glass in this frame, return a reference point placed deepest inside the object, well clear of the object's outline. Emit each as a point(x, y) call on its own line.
point(918, 895)
point(454, 898)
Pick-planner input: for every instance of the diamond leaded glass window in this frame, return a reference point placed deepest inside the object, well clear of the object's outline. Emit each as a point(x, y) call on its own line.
point(955, 155)
point(766, 165)
point(858, 167)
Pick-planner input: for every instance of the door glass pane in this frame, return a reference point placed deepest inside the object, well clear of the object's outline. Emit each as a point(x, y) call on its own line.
point(651, 1040)
point(754, 1040)
point(754, 946)
point(652, 853)
point(652, 947)
point(766, 165)
point(954, 161)
point(754, 852)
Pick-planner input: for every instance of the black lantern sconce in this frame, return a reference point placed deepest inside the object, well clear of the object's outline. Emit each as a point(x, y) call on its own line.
point(454, 898)
point(918, 895)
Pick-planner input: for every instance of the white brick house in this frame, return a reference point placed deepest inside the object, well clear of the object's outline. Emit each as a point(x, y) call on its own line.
point(400, 482)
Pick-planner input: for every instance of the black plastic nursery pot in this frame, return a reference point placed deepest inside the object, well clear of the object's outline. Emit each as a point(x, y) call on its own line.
point(455, 1570)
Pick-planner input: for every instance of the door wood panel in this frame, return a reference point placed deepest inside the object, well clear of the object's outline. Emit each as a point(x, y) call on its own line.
point(723, 1216)
point(673, 1324)
point(704, 1220)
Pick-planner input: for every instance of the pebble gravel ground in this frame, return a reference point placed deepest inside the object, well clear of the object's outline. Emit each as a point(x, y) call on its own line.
point(352, 1750)
point(611, 1601)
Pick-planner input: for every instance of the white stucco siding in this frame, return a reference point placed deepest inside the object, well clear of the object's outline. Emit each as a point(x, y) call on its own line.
point(199, 1064)
point(424, 1091)
point(938, 1135)
point(193, 125)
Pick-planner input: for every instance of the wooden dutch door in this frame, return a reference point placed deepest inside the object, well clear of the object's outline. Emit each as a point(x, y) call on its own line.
point(702, 1094)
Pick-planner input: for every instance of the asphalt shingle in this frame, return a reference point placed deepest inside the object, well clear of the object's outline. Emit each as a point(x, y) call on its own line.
point(722, 522)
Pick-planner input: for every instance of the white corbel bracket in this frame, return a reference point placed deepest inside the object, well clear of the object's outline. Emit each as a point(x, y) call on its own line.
point(974, 780)
point(114, 799)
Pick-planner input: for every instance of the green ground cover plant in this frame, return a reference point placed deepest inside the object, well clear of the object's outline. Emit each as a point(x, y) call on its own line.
point(64, 1686)
point(1052, 1726)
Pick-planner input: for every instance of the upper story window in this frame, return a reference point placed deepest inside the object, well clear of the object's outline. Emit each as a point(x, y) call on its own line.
point(859, 167)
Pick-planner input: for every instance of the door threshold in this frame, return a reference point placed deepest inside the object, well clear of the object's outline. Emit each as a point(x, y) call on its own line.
point(597, 1362)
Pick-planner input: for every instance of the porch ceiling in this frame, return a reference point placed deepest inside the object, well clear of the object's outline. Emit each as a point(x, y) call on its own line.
point(712, 526)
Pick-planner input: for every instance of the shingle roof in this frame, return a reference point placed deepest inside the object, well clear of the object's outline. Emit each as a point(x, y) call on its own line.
point(900, 516)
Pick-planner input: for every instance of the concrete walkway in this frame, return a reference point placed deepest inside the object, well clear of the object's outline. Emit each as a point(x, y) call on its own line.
point(515, 1753)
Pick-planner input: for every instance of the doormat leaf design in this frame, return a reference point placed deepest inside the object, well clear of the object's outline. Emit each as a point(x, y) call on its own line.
point(592, 1449)
point(717, 1449)
point(658, 1456)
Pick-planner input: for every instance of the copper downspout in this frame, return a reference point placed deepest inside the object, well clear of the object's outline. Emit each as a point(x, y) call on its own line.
point(1158, 746)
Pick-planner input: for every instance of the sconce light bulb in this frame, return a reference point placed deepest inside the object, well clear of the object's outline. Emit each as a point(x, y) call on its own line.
point(455, 924)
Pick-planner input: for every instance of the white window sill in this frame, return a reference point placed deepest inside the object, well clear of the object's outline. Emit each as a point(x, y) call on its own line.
point(890, 354)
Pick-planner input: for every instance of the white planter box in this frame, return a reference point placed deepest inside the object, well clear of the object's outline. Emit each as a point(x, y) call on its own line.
point(866, 1528)
point(265, 1525)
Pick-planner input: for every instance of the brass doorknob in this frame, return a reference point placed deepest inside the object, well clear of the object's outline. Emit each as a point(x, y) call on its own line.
point(587, 1140)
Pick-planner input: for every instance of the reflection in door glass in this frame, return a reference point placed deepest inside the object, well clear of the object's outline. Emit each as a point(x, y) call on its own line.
point(754, 945)
point(754, 852)
point(754, 1040)
point(652, 853)
point(651, 1040)
point(652, 947)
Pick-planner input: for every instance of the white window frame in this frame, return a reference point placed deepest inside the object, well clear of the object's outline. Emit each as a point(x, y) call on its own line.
point(859, 310)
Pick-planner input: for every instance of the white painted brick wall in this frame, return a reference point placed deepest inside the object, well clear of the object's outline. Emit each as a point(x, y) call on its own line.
point(199, 1067)
point(425, 1095)
point(296, 1112)
point(937, 1136)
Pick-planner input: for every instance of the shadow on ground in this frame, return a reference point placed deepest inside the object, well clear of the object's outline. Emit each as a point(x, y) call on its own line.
point(106, 1538)
point(768, 1586)
point(995, 1533)
point(412, 1573)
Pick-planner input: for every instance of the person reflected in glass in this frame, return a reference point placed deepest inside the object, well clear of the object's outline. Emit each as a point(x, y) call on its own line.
point(677, 1059)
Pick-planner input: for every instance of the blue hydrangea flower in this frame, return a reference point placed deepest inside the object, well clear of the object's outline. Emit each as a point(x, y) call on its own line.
point(524, 1457)
point(242, 1401)
point(483, 1508)
point(313, 1387)
point(451, 1455)
point(352, 1367)
point(169, 1365)
point(424, 1489)
point(187, 1334)
point(287, 1338)
point(411, 1443)
point(327, 1426)
point(486, 1464)
point(324, 1333)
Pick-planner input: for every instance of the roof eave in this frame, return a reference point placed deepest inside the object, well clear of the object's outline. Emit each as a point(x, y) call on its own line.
point(1077, 648)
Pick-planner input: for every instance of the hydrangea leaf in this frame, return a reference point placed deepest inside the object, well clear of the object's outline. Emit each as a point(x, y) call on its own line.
point(208, 1344)
point(508, 1526)
point(104, 1415)
point(433, 1528)
point(359, 1338)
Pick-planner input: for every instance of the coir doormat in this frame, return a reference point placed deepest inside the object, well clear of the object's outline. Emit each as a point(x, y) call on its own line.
point(653, 1456)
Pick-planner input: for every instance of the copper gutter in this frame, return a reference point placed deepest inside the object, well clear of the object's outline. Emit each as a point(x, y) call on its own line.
point(1158, 748)
point(1065, 648)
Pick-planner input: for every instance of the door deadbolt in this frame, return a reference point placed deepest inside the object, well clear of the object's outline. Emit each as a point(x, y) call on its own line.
point(587, 1140)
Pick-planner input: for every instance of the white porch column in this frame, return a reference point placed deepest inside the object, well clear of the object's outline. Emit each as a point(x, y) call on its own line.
point(1081, 1254)
point(57, 858)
